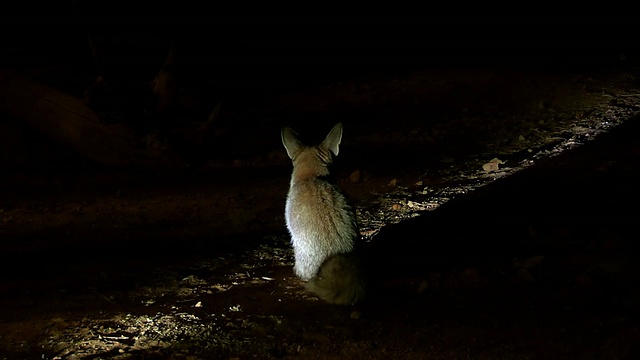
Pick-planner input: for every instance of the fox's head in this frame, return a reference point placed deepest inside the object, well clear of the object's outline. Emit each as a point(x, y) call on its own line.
point(312, 160)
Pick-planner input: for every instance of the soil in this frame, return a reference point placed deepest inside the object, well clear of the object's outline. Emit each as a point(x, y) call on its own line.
point(498, 206)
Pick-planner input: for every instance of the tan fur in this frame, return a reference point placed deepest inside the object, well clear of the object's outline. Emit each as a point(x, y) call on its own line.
point(321, 222)
point(340, 280)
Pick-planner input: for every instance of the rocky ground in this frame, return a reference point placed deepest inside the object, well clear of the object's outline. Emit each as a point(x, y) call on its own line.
point(499, 207)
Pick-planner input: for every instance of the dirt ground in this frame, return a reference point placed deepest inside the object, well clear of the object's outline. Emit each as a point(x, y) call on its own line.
point(498, 207)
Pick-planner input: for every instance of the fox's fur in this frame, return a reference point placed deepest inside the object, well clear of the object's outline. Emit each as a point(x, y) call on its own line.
point(321, 222)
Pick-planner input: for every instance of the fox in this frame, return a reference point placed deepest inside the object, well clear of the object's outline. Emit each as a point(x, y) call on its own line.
point(321, 222)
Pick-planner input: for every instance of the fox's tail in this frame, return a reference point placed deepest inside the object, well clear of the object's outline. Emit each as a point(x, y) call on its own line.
point(340, 280)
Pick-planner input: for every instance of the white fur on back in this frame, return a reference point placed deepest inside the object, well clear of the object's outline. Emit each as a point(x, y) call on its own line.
point(320, 222)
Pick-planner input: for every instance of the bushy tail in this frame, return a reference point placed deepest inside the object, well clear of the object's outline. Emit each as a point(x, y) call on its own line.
point(340, 280)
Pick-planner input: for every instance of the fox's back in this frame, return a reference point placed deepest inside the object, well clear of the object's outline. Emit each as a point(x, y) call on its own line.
point(316, 211)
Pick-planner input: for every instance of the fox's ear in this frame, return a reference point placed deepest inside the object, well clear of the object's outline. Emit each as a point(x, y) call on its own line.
point(290, 141)
point(332, 141)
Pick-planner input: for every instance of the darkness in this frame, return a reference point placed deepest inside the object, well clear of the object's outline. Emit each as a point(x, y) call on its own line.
point(291, 42)
point(237, 50)
point(245, 55)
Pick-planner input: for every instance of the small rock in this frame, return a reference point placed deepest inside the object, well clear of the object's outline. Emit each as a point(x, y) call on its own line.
point(355, 176)
point(492, 165)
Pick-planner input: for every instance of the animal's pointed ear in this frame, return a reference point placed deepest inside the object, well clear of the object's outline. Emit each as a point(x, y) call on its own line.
point(290, 141)
point(332, 141)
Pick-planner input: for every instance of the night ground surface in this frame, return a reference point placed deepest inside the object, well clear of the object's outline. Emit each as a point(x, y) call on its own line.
point(498, 203)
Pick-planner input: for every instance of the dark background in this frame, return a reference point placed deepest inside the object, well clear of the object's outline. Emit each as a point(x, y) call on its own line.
point(297, 41)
